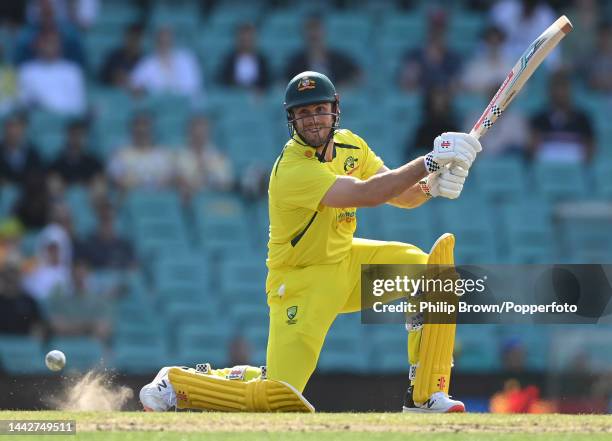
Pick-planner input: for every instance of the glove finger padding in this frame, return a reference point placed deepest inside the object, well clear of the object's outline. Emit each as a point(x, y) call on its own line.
point(470, 139)
point(459, 171)
point(448, 176)
point(449, 189)
point(448, 183)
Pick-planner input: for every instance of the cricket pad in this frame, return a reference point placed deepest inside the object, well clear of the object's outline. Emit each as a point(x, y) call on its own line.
point(437, 340)
point(196, 390)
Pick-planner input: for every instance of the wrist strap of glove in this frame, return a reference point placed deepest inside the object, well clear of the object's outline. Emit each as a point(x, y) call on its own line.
point(425, 187)
point(430, 164)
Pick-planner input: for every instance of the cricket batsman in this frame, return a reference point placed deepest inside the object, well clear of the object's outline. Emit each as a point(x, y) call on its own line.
point(323, 174)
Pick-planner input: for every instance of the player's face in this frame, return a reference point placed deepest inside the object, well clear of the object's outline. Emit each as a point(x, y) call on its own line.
point(313, 122)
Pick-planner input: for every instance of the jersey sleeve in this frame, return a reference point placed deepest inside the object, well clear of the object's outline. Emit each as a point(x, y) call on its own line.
point(371, 163)
point(304, 183)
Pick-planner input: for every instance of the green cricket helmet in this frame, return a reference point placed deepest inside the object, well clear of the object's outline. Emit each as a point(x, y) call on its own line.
point(311, 88)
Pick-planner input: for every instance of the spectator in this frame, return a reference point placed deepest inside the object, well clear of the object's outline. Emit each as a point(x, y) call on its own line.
point(18, 158)
point(523, 21)
point(239, 351)
point(490, 66)
point(105, 248)
point(50, 82)
point(561, 132)
point(201, 164)
point(11, 234)
point(437, 118)
point(77, 311)
point(54, 257)
point(338, 66)
point(168, 70)
point(33, 206)
point(49, 17)
point(75, 165)
point(513, 355)
point(143, 163)
point(254, 181)
point(61, 216)
point(245, 66)
point(599, 64)
point(432, 65)
point(8, 84)
point(19, 313)
point(80, 12)
point(120, 62)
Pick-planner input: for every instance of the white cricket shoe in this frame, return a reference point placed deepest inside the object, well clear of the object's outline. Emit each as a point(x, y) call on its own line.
point(158, 395)
point(439, 402)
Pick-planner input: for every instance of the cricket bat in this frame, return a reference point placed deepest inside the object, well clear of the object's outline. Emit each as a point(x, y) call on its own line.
point(520, 73)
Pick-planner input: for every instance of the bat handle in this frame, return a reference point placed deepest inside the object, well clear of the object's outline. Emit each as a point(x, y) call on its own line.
point(475, 133)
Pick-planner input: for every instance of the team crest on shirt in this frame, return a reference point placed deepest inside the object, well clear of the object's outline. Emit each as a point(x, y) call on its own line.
point(350, 165)
point(291, 313)
point(306, 84)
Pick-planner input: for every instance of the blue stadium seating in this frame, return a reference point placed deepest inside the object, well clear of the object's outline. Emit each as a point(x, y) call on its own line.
point(342, 351)
point(83, 216)
point(81, 353)
point(476, 349)
point(603, 178)
point(528, 227)
point(201, 343)
point(140, 359)
point(560, 181)
point(8, 196)
point(47, 131)
point(475, 235)
point(184, 270)
point(21, 355)
point(388, 348)
point(500, 179)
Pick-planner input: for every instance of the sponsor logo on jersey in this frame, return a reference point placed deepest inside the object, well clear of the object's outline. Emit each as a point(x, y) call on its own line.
point(346, 216)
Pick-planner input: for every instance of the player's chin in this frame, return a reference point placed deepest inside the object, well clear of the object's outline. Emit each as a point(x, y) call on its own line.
point(318, 137)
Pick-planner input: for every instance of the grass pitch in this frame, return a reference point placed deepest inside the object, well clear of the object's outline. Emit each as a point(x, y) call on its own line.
point(140, 426)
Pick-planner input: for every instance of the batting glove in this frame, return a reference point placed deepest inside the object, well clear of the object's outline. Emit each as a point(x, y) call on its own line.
point(448, 183)
point(452, 148)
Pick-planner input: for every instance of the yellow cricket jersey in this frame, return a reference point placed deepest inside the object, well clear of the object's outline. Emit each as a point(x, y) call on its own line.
point(302, 231)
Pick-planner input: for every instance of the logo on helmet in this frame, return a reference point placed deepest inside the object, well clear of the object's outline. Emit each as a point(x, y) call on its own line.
point(306, 84)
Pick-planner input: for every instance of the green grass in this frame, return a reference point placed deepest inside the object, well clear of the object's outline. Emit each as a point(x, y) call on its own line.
point(139, 426)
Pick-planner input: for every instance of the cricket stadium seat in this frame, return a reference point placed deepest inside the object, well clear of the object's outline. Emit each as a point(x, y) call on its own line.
point(21, 355)
point(560, 181)
point(82, 353)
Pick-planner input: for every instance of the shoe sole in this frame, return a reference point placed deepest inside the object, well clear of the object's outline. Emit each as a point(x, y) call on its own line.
point(454, 409)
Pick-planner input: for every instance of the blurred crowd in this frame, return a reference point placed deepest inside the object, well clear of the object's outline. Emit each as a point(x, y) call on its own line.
point(49, 287)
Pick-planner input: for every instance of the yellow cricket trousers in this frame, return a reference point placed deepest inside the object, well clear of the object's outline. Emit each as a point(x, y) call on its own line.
point(304, 302)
